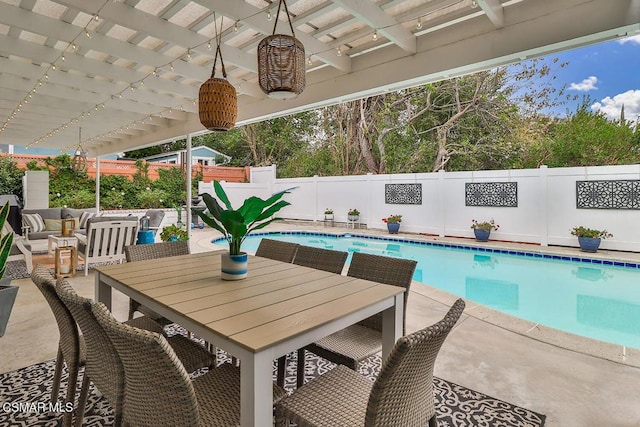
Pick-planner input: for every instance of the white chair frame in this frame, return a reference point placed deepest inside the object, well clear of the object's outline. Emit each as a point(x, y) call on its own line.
point(105, 241)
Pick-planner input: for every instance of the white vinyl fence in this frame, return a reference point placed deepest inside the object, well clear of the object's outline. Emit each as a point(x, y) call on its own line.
point(544, 201)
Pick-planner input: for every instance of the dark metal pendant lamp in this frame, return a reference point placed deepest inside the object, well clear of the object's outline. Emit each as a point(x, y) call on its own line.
point(79, 161)
point(281, 63)
point(217, 99)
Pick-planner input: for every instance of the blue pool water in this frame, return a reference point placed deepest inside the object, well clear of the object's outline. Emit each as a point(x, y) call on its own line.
point(592, 298)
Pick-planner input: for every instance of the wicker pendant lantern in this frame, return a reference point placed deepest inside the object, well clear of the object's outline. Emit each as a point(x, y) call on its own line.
point(217, 99)
point(281, 63)
point(79, 161)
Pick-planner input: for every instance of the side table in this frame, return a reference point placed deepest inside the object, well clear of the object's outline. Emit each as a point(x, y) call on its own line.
point(59, 240)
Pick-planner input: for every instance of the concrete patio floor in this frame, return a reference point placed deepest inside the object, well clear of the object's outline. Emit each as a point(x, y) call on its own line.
point(573, 381)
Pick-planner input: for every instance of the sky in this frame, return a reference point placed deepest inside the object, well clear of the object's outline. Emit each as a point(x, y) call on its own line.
point(608, 73)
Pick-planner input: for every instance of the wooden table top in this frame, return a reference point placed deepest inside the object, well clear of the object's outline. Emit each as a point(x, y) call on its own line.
point(275, 302)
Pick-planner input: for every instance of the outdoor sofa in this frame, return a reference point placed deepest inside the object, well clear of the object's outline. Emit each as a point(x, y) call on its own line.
point(42, 223)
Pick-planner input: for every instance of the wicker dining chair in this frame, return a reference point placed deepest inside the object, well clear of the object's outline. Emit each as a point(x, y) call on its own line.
point(158, 389)
point(401, 396)
point(352, 345)
point(320, 259)
point(103, 366)
point(275, 249)
point(285, 252)
point(71, 347)
point(152, 251)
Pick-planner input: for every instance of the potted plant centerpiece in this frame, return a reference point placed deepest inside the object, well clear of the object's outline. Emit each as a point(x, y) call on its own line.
point(7, 292)
point(254, 214)
point(482, 230)
point(353, 215)
point(589, 238)
point(393, 223)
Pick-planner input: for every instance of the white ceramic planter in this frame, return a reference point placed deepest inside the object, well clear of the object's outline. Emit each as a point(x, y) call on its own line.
point(234, 267)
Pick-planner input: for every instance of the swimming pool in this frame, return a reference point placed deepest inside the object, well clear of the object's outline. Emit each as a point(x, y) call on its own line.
point(593, 298)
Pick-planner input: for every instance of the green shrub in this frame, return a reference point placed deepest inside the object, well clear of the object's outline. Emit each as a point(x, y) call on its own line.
point(151, 199)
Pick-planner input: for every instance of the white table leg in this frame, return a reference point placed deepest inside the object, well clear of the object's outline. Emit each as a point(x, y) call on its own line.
point(392, 325)
point(256, 391)
point(103, 292)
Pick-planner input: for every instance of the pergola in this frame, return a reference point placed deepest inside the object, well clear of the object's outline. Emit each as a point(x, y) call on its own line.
point(128, 72)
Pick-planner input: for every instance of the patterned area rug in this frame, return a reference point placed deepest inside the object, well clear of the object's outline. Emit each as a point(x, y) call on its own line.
point(457, 406)
point(18, 269)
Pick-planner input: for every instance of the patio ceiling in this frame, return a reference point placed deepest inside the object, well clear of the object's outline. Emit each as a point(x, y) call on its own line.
point(128, 72)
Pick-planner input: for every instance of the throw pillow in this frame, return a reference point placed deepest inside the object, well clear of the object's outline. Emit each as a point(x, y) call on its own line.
point(85, 217)
point(34, 222)
point(52, 225)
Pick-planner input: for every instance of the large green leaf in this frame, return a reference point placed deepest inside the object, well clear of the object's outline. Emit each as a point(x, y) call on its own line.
point(221, 194)
point(6, 241)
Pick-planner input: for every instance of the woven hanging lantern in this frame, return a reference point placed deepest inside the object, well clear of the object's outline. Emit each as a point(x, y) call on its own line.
point(217, 100)
point(281, 63)
point(79, 161)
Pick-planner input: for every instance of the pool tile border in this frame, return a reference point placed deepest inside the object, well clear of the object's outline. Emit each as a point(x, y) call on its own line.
point(454, 246)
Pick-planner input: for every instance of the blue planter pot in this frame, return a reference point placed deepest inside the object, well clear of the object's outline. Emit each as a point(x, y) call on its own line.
point(481, 235)
point(234, 267)
point(393, 228)
point(589, 244)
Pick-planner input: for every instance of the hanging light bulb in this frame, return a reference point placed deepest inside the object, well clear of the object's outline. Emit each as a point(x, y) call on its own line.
point(375, 35)
point(188, 54)
point(419, 24)
point(209, 45)
point(309, 60)
point(339, 51)
point(235, 27)
point(269, 15)
point(474, 4)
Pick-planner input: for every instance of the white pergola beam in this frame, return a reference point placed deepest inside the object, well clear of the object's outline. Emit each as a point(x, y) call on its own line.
point(494, 11)
point(376, 18)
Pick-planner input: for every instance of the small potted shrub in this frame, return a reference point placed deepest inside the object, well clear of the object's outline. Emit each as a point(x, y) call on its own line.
point(482, 230)
point(588, 238)
point(173, 233)
point(328, 214)
point(393, 223)
point(353, 215)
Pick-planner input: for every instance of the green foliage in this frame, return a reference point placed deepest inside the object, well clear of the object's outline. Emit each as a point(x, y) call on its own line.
point(582, 231)
point(173, 231)
point(6, 241)
point(254, 214)
point(10, 176)
point(172, 182)
point(151, 199)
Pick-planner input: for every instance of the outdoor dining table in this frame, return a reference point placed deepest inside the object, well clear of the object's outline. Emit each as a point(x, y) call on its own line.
point(279, 308)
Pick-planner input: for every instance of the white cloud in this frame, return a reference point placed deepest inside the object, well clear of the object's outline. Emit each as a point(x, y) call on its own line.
point(611, 106)
point(585, 85)
point(633, 40)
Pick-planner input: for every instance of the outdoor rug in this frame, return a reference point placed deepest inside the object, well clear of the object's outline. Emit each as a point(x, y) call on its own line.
point(18, 269)
point(456, 406)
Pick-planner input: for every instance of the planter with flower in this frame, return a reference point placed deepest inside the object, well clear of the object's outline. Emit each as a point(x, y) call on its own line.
point(8, 292)
point(235, 224)
point(393, 223)
point(353, 215)
point(482, 230)
point(328, 214)
point(589, 238)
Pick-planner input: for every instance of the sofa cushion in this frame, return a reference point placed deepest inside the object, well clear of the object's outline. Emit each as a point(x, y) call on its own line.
point(34, 221)
point(50, 213)
point(52, 225)
point(68, 213)
point(85, 217)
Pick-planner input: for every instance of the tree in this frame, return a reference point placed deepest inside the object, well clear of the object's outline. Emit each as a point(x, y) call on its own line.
point(10, 176)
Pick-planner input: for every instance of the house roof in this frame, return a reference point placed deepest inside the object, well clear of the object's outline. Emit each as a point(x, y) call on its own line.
point(196, 151)
point(128, 72)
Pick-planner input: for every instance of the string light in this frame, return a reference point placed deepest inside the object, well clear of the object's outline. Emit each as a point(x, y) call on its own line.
point(375, 35)
point(309, 60)
point(209, 45)
point(419, 24)
point(235, 27)
point(188, 54)
point(474, 4)
point(269, 15)
point(339, 51)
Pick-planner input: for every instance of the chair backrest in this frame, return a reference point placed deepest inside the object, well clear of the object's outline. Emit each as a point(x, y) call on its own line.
point(157, 386)
point(69, 336)
point(321, 259)
point(103, 364)
point(276, 249)
point(402, 394)
point(106, 239)
point(156, 250)
point(387, 270)
point(155, 218)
